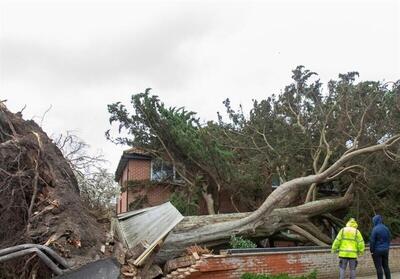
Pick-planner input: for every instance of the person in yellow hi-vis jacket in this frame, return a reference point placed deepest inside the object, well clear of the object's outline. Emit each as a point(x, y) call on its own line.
point(349, 243)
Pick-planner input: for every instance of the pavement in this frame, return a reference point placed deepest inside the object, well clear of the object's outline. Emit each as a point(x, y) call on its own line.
point(395, 275)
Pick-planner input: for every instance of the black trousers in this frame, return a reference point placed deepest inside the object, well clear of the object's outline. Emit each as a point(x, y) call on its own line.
point(381, 261)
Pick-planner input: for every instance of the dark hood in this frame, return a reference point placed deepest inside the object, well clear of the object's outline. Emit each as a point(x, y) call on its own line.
point(377, 220)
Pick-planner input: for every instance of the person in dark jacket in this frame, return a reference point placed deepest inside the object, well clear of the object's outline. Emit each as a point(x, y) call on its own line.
point(379, 245)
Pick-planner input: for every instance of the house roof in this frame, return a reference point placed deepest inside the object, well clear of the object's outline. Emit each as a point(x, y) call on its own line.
point(149, 225)
point(136, 150)
point(133, 153)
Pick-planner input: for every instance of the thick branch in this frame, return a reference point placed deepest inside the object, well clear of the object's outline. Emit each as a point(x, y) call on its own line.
point(316, 208)
point(360, 130)
point(307, 235)
point(315, 231)
point(268, 216)
point(338, 174)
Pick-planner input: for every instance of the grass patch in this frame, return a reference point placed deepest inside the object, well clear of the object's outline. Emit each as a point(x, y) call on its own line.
point(312, 275)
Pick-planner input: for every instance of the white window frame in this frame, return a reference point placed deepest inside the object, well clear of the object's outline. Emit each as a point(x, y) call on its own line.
point(173, 171)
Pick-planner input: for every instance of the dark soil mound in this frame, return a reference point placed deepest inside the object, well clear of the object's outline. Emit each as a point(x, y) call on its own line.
point(39, 199)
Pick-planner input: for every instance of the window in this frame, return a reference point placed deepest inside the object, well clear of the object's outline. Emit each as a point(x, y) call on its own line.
point(161, 170)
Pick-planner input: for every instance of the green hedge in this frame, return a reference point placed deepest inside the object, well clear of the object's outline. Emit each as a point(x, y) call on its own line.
point(238, 242)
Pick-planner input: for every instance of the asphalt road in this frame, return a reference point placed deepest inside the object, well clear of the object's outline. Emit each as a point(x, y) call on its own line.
point(101, 269)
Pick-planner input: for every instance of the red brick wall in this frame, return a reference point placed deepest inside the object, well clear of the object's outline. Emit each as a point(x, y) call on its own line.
point(225, 204)
point(156, 194)
point(139, 169)
point(136, 170)
point(159, 194)
point(133, 195)
point(295, 263)
point(122, 204)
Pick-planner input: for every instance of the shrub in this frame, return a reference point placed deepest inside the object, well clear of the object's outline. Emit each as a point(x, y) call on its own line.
point(186, 205)
point(238, 242)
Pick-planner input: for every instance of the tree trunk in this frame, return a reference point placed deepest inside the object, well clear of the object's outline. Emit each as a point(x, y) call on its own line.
point(208, 199)
point(212, 230)
point(209, 203)
point(273, 215)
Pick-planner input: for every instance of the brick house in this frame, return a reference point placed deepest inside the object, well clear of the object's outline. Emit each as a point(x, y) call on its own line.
point(134, 172)
point(137, 168)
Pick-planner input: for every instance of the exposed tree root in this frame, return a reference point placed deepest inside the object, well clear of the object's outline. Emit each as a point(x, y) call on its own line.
point(39, 198)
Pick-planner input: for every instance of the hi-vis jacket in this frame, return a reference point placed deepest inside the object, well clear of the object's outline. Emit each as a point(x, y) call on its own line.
point(349, 241)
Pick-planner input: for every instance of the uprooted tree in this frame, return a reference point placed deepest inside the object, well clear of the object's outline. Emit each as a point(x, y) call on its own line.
point(347, 138)
point(39, 200)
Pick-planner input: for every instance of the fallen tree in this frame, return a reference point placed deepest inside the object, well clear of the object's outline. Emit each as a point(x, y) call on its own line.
point(301, 140)
point(273, 215)
point(39, 199)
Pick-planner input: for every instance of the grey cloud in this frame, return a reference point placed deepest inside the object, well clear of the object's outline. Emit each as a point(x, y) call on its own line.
point(152, 53)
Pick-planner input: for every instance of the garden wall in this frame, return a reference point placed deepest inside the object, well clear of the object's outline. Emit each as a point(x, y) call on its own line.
point(295, 262)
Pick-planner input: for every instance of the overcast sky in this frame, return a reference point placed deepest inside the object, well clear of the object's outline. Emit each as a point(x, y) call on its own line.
point(79, 56)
